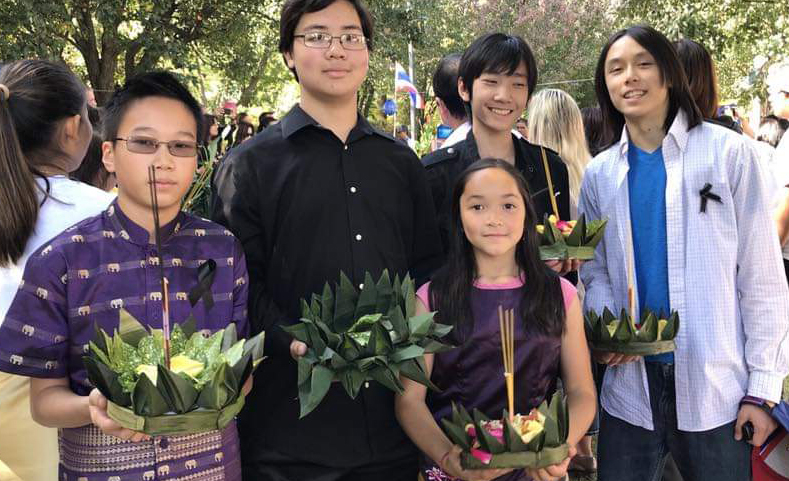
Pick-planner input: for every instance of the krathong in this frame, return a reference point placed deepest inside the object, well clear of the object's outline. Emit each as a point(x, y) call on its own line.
point(200, 391)
point(575, 239)
point(359, 336)
point(536, 440)
point(654, 335)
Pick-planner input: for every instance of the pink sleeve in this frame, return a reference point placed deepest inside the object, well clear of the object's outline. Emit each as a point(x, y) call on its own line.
point(569, 292)
point(423, 293)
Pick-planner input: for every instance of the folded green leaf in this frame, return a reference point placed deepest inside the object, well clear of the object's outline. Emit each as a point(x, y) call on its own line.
point(320, 382)
point(179, 393)
point(147, 400)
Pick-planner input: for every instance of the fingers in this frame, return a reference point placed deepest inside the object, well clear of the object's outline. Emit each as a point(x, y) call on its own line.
point(555, 265)
point(97, 404)
point(602, 357)
point(247, 386)
point(741, 419)
point(297, 349)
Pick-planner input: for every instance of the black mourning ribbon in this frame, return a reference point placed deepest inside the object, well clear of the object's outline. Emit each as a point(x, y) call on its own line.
point(706, 195)
point(205, 278)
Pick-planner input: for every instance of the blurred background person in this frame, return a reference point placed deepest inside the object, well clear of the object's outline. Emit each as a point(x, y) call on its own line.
point(594, 129)
point(45, 132)
point(555, 122)
point(450, 105)
point(522, 126)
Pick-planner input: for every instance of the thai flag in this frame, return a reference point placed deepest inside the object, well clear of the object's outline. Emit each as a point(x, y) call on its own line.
point(403, 84)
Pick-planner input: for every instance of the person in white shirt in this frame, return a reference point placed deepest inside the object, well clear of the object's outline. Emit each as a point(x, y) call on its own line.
point(778, 88)
point(44, 134)
point(688, 208)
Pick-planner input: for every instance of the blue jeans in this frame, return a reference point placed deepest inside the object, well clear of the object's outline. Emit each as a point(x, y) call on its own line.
point(629, 453)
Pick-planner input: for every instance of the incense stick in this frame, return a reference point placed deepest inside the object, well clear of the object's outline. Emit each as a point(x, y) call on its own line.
point(550, 184)
point(631, 295)
point(507, 328)
point(158, 241)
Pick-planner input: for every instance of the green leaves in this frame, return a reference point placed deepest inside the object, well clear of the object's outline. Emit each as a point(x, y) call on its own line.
point(354, 337)
point(580, 243)
point(504, 441)
point(608, 333)
point(224, 364)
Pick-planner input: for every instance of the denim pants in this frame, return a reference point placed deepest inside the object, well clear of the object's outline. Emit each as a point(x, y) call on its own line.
point(630, 453)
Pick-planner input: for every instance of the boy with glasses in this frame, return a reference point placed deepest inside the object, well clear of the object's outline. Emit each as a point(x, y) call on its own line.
point(318, 193)
point(85, 275)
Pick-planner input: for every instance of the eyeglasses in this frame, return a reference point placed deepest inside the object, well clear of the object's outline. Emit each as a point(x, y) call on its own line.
point(148, 145)
point(349, 41)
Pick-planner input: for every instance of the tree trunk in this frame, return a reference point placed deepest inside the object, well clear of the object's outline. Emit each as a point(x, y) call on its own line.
point(251, 86)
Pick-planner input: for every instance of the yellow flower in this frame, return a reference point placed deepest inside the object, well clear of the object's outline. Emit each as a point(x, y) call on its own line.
point(661, 324)
point(186, 365)
point(149, 370)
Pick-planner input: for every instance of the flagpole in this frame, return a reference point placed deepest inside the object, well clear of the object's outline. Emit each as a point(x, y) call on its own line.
point(394, 120)
point(413, 81)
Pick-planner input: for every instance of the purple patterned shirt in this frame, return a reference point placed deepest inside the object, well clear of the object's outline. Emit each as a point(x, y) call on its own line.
point(84, 276)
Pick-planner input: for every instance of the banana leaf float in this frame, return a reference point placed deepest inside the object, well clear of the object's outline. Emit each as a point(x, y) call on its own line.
point(575, 239)
point(536, 440)
point(201, 391)
point(355, 337)
point(655, 334)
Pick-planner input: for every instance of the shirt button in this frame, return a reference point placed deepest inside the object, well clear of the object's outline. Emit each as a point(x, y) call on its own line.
point(346, 147)
point(450, 151)
point(358, 237)
point(361, 286)
point(353, 190)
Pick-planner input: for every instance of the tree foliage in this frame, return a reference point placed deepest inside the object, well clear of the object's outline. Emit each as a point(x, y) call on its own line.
point(744, 36)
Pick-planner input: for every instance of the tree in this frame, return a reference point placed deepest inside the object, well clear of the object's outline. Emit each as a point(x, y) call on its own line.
point(736, 32)
point(119, 38)
point(565, 37)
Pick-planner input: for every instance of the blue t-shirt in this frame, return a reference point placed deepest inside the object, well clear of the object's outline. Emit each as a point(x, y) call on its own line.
point(647, 192)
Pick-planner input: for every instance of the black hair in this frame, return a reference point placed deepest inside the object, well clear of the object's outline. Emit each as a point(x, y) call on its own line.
point(264, 120)
point(700, 71)
point(594, 129)
point(293, 10)
point(205, 133)
point(496, 53)
point(92, 171)
point(771, 129)
point(445, 84)
point(522, 119)
point(244, 131)
point(542, 303)
point(671, 73)
point(41, 94)
point(150, 84)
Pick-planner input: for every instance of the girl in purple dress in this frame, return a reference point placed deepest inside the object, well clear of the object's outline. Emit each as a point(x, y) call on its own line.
point(494, 260)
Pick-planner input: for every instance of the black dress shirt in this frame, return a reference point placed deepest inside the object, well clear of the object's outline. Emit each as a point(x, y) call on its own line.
point(306, 206)
point(444, 166)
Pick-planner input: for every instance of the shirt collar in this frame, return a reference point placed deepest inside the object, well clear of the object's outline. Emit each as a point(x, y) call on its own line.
point(128, 230)
point(677, 133)
point(472, 152)
point(298, 119)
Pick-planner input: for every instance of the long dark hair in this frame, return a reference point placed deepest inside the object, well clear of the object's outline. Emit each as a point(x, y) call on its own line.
point(542, 304)
point(41, 95)
point(700, 70)
point(671, 73)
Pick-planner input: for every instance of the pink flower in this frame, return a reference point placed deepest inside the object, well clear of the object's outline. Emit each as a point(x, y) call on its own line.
point(483, 456)
point(562, 224)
